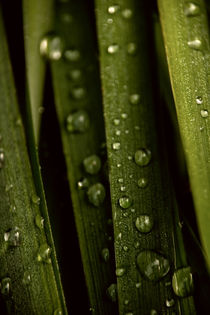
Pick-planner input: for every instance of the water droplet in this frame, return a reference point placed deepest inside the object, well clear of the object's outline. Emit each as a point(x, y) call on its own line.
point(58, 312)
point(96, 194)
point(126, 302)
point(138, 285)
point(8, 187)
point(126, 131)
point(26, 278)
point(112, 292)
point(75, 74)
point(116, 122)
point(136, 244)
point(78, 121)
point(124, 115)
point(195, 44)
point(204, 113)
point(1, 157)
point(120, 180)
point(119, 165)
point(143, 157)
point(144, 223)
point(51, 47)
point(120, 272)
point(142, 182)
point(116, 146)
point(131, 48)
point(191, 9)
point(170, 302)
point(92, 164)
point(127, 13)
point(109, 21)
point(72, 55)
point(153, 312)
point(118, 132)
point(123, 188)
point(125, 248)
point(201, 128)
point(152, 265)
point(135, 99)
point(39, 221)
point(105, 254)
point(113, 49)
point(35, 199)
point(78, 92)
point(113, 9)
point(44, 253)
point(83, 183)
point(182, 282)
point(125, 202)
point(199, 100)
point(5, 286)
point(12, 237)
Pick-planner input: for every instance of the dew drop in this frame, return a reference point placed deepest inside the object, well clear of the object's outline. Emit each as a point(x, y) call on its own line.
point(118, 132)
point(182, 282)
point(142, 157)
point(119, 165)
point(83, 183)
point(195, 44)
point(26, 278)
point(44, 253)
point(109, 21)
point(125, 202)
point(123, 188)
point(127, 13)
point(138, 285)
point(35, 199)
point(116, 122)
point(72, 55)
point(131, 48)
point(39, 221)
point(51, 47)
point(120, 272)
point(113, 49)
point(112, 292)
point(199, 100)
point(78, 121)
point(116, 146)
point(58, 312)
point(170, 302)
point(78, 92)
point(120, 180)
point(113, 9)
point(1, 157)
point(105, 254)
point(96, 194)
point(5, 286)
point(135, 99)
point(191, 9)
point(92, 164)
point(126, 302)
point(204, 113)
point(124, 115)
point(75, 74)
point(12, 237)
point(142, 182)
point(152, 265)
point(144, 223)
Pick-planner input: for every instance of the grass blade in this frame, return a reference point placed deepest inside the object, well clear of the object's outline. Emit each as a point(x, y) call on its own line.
point(28, 279)
point(73, 78)
point(38, 20)
point(185, 31)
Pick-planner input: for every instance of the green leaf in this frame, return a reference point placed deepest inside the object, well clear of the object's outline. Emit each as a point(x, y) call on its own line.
point(186, 39)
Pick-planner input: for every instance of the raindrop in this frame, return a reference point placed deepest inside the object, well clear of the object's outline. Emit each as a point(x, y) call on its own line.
point(113, 49)
point(120, 272)
point(78, 92)
point(39, 221)
point(144, 223)
point(199, 100)
point(143, 157)
point(78, 121)
point(170, 303)
point(35, 199)
point(131, 48)
point(5, 286)
point(51, 47)
point(112, 292)
point(1, 157)
point(127, 13)
point(116, 146)
point(113, 9)
point(182, 282)
point(125, 202)
point(92, 164)
point(44, 253)
point(83, 183)
point(135, 99)
point(152, 265)
point(75, 74)
point(191, 9)
point(105, 254)
point(96, 194)
point(12, 237)
point(26, 278)
point(72, 55)
point(204, 113)
point(142, 182)
point(195, 44)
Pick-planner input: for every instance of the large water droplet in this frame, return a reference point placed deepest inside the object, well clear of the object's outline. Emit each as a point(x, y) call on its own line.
point(58, 311)
point(5, 286)
point(204, 113)
point(39, 221)
point(83, 183)
point(127, 13)
point(120, 272)
point(125, 202)
point(144, 223)
point(113, 49)
point(78, 121)
point(92, 164)
point(182, 282)
point(195, 44)
point(142, 157)
point(72, 55)
point(96, 194)
point(113, 9)
point(112, 292)
point(51, 47)
point(142, 182)
point(191, 9)
point(105, 254)
point(131, 48)
point(152, 265)
point(116, 146)
point(12, 237)
point(1, 157)
point(44, 253)
point(26, 278)
point(199, 100)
